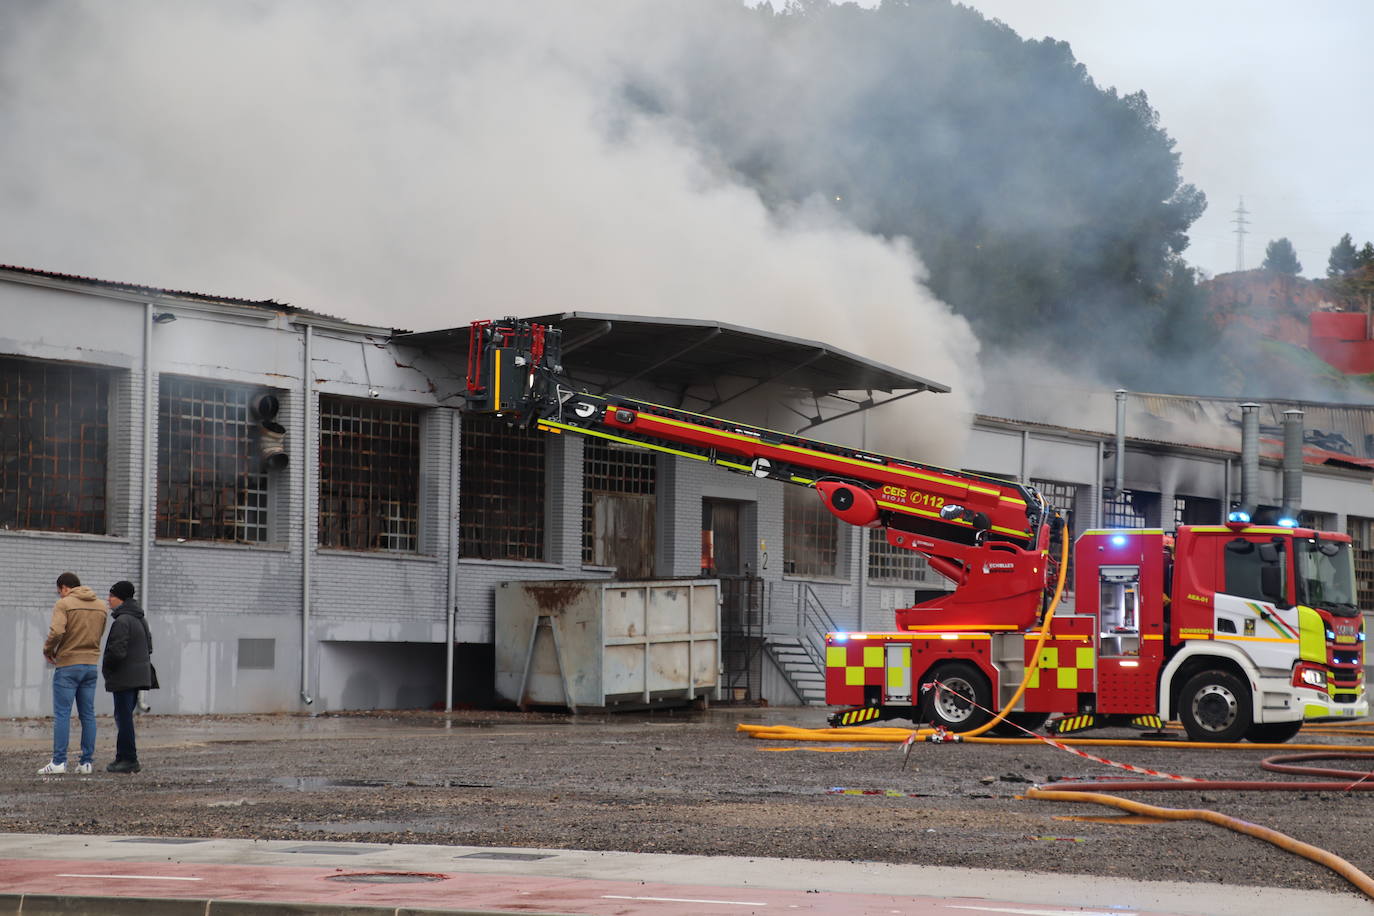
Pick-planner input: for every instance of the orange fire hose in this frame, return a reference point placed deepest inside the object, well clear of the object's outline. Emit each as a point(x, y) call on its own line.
point(1332, 861)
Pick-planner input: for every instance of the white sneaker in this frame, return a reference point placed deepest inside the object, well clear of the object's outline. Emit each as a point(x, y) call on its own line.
point(53, 769)
point(84, 769)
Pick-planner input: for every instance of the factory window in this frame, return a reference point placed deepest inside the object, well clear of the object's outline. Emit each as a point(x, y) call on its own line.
point(618, 484)
point(1321, 521)
point(1119, 511)
point(214, 451)
point(369, 475)
point(1061, 498)
point(501, 507)
point(890, 563)
point(811, 535)
point(1361, 531)
point(259, 654)
point(54, 438)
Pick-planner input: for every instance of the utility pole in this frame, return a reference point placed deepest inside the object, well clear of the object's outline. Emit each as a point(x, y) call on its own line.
point(1241, 223)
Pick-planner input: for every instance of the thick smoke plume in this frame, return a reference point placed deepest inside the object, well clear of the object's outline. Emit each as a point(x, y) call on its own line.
point(418, 165)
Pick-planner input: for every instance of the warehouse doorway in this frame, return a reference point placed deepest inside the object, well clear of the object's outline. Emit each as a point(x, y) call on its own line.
point(741, 610)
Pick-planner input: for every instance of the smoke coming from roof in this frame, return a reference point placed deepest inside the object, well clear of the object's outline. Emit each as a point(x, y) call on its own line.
point(418, 165)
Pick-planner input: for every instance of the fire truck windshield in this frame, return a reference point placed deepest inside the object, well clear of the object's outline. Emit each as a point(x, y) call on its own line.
point(1326, 575)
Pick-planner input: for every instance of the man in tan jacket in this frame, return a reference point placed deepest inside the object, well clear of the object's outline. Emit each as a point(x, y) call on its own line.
point(73, 647)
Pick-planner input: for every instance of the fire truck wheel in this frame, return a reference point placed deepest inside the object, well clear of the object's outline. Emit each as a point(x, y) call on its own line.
point(956, 705)
point(1273, 732)
point(1215, 706)
point(1030, 721)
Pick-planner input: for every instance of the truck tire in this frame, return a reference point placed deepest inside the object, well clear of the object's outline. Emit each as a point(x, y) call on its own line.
point(950, 706)
point(1273, 732)
point(1215, 706)
point(1030, 721)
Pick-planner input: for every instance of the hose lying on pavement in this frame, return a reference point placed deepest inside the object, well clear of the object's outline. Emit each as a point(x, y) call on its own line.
point(1282, 840)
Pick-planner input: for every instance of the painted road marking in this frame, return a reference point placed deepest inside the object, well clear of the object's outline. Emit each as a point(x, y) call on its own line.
point(133, 877)
point(684, 900)
point(1023, 912)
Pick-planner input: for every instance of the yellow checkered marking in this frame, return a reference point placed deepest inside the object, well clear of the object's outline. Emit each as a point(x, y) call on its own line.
point(859, 715)
point(874, 657)
point(1072, 724)
point(1066, 664)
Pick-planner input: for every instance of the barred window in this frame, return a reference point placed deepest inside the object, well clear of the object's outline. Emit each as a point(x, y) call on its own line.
point(369, 475)
point(618, 485)
point(890, 563)
point(811, 535)
point(501, 506)
point(1061, 497)
point(212, 481)
point(54, 446)
point(1119, 511)
point(1361, 531)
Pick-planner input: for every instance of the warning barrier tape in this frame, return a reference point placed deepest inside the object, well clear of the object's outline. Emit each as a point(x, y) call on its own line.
point(1053, 743)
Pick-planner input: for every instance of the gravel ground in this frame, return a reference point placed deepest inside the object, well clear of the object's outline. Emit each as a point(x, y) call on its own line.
point(671, 782)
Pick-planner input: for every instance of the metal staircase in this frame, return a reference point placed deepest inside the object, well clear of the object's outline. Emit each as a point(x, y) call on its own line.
point(801, 657)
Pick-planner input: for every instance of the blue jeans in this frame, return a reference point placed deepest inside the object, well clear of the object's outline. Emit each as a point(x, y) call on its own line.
point(124, 703)
point(68, 682)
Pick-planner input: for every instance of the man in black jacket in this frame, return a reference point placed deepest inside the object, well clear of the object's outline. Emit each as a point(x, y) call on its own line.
point(128, 668)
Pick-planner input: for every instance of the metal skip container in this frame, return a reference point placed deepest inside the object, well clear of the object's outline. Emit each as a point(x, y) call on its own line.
point(588, 644)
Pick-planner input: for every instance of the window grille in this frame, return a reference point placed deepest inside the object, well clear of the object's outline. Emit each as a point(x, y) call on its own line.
point(211, 484)
point(1119, 511)
point(1361, 531)
point(369, 475)
point(54, 446)
point(501, 506)
point(1321, 521)
point(890, 563)
point(1061, 498)
point(615, 475)
point(811, 535)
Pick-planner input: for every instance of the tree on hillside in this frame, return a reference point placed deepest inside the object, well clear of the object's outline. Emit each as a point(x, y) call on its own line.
point(1343, 258)
point(1366, 256)
point(1281, 258)
point(1046, 209)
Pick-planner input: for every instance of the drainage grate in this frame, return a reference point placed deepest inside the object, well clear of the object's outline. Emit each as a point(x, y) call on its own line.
point(508, 856)
point(166, 840)
point(333, 850)
point(386, 877)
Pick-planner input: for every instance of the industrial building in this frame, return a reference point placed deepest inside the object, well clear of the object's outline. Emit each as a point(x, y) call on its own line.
point(314, 526)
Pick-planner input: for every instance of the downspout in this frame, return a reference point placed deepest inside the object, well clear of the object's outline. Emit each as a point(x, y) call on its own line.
point(146, 487)
point(1120, 442)
point(454, 445)
point(1097, 488)
point(1025, 447)
point(307, 515)
point(1249, 458)
point(1292, 466)
point(1225, 489)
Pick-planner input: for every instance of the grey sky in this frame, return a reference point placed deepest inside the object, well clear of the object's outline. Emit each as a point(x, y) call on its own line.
point(1266, 100)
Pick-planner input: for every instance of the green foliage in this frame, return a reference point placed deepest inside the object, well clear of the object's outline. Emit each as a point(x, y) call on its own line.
point(1366, 256)
point(1046, 209)
point(1343, 258)
point(1281, 257)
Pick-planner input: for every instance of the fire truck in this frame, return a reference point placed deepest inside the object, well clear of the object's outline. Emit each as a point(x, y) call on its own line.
point(1237, 630)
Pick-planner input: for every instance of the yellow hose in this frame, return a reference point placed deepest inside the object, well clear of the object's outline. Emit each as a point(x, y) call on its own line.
point(1282, 840)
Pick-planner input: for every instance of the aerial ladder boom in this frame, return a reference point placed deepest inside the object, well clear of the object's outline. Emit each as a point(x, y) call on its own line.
point(988, 536)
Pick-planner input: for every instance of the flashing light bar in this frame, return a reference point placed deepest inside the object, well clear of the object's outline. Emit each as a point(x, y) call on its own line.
point(1239, 516)
point(1118, 540)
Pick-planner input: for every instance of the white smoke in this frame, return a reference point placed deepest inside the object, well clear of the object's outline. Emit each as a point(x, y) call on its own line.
point(418, 165)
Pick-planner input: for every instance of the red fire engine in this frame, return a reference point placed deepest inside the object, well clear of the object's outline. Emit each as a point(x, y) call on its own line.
point(1240, 631)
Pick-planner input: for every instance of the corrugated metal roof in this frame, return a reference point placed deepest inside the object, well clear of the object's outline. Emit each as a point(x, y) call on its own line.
point(140, 290)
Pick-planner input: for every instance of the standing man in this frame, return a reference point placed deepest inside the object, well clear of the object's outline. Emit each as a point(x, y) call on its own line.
point(73, 647)
point(127, 669)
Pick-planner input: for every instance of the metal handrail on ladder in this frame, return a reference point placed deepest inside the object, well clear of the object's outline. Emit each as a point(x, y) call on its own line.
point(813, 622)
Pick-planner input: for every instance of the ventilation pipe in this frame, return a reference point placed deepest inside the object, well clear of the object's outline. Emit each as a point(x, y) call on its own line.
point(1120, 442)
point(1249, 463)
point(1292, 468)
